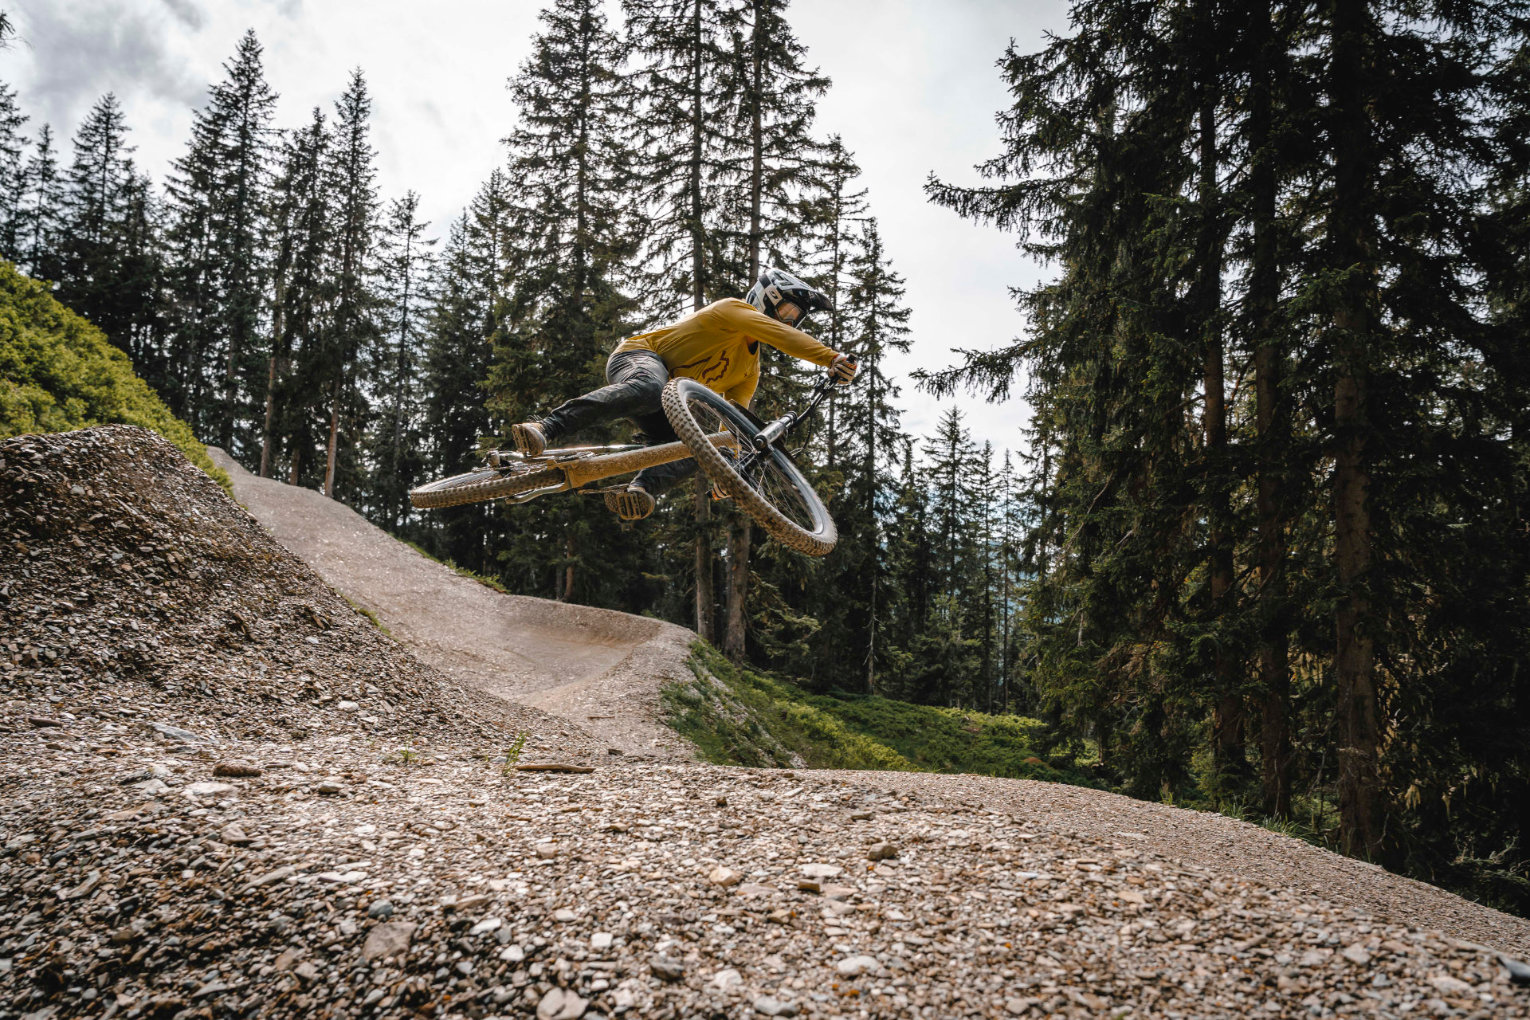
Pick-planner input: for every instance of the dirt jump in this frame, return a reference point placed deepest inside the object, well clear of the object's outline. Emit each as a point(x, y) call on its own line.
point(598, 669)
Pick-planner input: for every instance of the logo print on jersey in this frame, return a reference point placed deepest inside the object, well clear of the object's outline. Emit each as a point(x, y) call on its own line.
point(709, 374)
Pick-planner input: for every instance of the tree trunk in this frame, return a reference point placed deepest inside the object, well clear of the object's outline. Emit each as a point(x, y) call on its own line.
point(266, 437)
point(739, 531)
point(334, 441)
point(569, 550)
point(1228, 718)
point(706, 597)
point(705, 592)
point(1264, 289)
point(739, 538)
point(1350, 237)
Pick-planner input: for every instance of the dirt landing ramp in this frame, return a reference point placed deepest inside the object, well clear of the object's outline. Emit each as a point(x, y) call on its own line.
point(600, 670)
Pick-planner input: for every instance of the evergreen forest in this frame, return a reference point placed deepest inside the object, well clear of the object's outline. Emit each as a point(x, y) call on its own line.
point(1263, 541)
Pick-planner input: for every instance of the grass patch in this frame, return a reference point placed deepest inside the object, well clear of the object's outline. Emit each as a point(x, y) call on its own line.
point(371, 616)
point(472, 575)
point(737, 716)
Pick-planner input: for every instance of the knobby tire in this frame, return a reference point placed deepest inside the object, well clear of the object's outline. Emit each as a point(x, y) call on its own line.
point(817, 540)
point(478, 486)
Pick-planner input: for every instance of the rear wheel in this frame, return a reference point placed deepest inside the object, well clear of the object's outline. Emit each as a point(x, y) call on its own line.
point(767, 485)
point(484, 484)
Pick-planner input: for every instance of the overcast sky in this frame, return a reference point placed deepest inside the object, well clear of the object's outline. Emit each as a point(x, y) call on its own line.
point(915, 91)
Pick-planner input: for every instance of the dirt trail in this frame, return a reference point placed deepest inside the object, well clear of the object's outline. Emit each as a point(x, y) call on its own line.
point(598, 669)
point(584, 664)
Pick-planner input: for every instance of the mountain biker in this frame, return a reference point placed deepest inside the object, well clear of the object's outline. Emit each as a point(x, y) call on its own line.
point(719, 346)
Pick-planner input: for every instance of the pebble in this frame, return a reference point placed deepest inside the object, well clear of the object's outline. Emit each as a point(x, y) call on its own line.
point(774, 1007)
point(389, 939)
point(207, 789)
point(382, 909)
point(486, 926)
point(237, 770)
point(725, 877)
point(329, 787)
point(601, 941)
point(855, 966)
point(727, 979)
point(881, 852)
point(822, 870)
point(561, 1004)
point(666, 969)
point(1356, 954)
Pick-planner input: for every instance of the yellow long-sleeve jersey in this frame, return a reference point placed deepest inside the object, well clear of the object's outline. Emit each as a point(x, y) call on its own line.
point(719, 345)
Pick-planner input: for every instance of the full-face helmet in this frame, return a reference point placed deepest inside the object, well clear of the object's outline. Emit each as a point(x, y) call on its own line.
point(777, 287)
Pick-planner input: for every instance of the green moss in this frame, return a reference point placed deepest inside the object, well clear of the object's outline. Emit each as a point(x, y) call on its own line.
point(59, 373)
point(371, 616)
point(737, 716)
point(487, 582)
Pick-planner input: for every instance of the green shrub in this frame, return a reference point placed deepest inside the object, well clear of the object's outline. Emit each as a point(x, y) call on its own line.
point(59, 373)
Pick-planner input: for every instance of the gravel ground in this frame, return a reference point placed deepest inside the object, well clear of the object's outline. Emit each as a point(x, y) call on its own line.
point(212, 819)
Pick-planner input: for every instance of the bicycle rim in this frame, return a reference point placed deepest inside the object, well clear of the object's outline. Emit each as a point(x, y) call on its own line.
point(768, 486)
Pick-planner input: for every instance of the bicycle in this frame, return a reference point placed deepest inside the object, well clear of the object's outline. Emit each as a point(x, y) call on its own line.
point(742, 455)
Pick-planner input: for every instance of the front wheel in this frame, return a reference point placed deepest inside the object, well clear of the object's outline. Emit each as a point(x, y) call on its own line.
point(767, 485)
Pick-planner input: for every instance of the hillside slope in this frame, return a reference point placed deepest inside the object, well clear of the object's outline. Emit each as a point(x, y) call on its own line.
point(227, 794)
point(599, 669)
point(58, 372)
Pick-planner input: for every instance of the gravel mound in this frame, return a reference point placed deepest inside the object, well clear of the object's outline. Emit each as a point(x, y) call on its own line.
point(133, 586)
point(207, 814)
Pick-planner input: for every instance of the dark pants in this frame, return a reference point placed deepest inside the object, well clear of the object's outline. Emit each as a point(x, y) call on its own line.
point(635, 381)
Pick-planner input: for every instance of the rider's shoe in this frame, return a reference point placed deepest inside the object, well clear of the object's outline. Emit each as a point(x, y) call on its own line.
point(630, 504)
point(530, 437)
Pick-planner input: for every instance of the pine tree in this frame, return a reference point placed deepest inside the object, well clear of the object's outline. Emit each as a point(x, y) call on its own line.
point(353, 331)
point(405, 263)
point(301, 298)
point(570, 165)
point(42, 216)
point(219, 196)
point(13, 174)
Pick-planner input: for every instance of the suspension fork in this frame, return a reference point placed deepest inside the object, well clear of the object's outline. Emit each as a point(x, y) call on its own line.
point(783, 425)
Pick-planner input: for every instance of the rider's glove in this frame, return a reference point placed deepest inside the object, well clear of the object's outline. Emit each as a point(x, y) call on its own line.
point(842, 368)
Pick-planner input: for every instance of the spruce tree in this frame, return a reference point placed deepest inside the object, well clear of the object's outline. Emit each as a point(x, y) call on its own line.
point(688, 141)
point(13, 174)
point(42, 215)
point(99, 178)
point(775, 115)
point(404, 265)
point(301, 296)
point(456, 367)
point(219, 202)
point(570, 166)
point(352, 333)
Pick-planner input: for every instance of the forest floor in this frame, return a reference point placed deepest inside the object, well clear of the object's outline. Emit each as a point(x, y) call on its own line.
point(228, 793)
